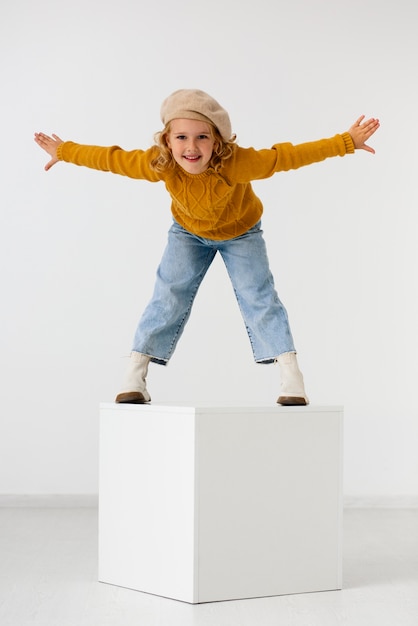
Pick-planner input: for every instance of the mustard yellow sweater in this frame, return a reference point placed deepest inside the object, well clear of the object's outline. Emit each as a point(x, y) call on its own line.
point(214, 205)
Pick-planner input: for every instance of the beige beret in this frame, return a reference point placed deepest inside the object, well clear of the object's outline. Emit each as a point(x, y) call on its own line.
point(193, 104)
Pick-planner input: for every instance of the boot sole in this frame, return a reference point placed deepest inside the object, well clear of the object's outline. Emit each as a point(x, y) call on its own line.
point(131, 397)
point(291, 401)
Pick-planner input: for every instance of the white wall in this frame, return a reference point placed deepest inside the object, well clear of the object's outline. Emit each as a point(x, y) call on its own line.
point(79, 248)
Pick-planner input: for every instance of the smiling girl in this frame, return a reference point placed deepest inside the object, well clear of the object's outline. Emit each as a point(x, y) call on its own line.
point(214, 209)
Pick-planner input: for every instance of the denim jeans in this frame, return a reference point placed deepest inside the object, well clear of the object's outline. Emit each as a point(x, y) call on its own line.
point(185, 262)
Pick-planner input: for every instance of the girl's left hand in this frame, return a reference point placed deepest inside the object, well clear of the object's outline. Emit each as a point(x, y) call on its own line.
point(361, 131)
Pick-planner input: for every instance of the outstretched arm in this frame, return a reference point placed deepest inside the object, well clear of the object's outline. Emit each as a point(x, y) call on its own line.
point(50, 145)
point(361, 131)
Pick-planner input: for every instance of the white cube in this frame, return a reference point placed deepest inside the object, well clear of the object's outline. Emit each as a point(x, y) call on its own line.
point(210, 503)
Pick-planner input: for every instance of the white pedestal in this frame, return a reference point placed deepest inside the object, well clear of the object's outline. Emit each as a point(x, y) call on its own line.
point(209, 503)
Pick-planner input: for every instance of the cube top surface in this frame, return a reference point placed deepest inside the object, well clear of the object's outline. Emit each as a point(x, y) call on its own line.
point(206, 407)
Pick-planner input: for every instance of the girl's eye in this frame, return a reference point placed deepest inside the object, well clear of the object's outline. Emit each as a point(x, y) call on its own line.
point(183, 137)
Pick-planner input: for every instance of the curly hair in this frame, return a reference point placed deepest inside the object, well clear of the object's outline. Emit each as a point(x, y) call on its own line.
point(164, 160)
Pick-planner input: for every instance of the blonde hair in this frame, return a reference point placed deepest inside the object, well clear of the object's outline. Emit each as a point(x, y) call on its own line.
point(221, 152)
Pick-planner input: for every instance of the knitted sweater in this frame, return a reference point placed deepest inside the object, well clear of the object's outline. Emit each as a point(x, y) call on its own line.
point(215, 205)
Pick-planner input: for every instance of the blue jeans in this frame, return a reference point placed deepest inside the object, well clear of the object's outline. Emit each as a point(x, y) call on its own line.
point(185, 262)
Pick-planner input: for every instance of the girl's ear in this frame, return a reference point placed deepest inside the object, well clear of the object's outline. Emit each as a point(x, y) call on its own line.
point(166, 136)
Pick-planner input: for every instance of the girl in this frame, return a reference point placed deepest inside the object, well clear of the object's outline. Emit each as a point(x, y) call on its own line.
point(215, 209)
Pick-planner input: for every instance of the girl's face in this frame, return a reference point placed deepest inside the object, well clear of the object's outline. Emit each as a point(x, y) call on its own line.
point(191, 144)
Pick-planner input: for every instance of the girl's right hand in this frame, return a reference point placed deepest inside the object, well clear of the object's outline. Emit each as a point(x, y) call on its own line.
point(50, 145)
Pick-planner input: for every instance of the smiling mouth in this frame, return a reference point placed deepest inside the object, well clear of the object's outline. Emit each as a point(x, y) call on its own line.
point(191, 158)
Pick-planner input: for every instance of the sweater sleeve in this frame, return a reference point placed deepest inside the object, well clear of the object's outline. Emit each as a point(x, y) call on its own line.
point(134, 163)
point(249, 164)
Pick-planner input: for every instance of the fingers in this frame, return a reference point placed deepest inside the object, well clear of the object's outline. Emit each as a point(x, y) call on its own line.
point(362, 130)
point(44, 141)
point(41, 137)
point(51, 163)
point(370, 127)
point(359, 121)
point(369, 149)
point(50, 145)
point(370, 122)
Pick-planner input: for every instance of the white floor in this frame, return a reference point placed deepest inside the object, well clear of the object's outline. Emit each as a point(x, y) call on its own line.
point(48, 577)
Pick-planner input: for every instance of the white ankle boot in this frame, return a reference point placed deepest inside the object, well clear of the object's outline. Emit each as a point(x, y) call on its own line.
point(292, 389)
point(134, 389)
